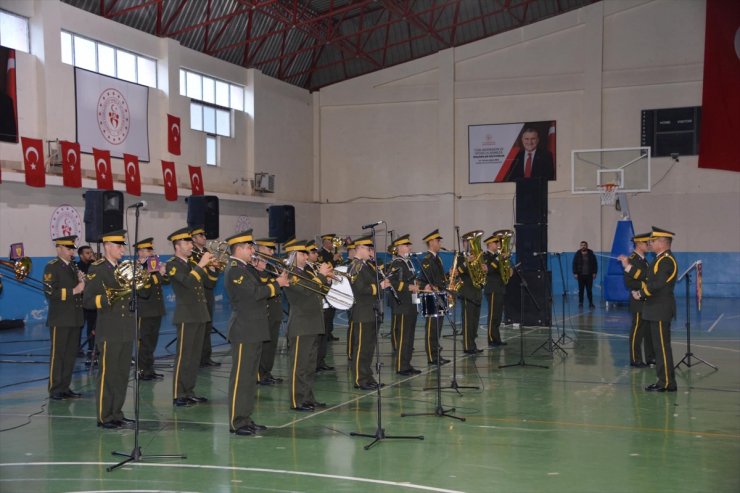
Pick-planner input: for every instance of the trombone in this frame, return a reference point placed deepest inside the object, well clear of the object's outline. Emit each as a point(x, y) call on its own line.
point(21, 268)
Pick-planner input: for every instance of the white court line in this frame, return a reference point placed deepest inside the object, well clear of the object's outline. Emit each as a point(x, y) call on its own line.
point(242, 469)
point(711, 327)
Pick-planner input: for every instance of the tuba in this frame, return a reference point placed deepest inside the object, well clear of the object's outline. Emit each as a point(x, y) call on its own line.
point(474, 260)
point(126, 272)
point(504, 265)
point(21, 270)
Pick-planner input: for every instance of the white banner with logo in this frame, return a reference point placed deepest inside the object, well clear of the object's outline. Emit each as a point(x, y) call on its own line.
point(112, 114)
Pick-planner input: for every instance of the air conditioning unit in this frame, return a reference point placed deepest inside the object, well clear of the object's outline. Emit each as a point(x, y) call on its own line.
point(264, 182)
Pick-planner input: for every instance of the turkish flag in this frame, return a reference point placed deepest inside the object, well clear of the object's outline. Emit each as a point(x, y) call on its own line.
point(103, 171)
point(133, 178)
point(71, 169)
point(170, 181)
point(720, 96)
point(173, 134)
point(196, 180)
point(33, 160)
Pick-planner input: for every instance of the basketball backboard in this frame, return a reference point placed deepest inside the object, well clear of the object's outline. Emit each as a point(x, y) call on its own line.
point(628, 168)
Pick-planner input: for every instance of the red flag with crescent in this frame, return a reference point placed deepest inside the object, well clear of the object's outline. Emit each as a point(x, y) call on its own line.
point(33, 160)
point(196, 180)
point(170, 181)
point(71, 169)
point(103, 171)
point(133, 178)
point(173, 134)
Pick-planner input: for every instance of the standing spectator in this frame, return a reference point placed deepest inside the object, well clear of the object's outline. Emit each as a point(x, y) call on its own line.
point(585, 269)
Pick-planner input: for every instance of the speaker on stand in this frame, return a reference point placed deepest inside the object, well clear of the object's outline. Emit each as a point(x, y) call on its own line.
point(203, 210)
point(103, 213)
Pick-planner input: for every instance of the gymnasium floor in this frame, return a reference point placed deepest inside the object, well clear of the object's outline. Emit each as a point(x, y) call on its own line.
point(582, 425)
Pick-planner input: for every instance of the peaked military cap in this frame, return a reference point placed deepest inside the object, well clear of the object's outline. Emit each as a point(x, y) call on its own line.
point(118, 237)
point(297, 246)
point(433, 235)
point(145, 243)
point(198, 229)
point(67, 241)
point(661, 233)
point(641, 237)
point(180, 234)
point(267, 242)
point(243, 237)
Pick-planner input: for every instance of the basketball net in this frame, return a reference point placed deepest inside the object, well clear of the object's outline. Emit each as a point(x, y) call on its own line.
point(608, 193)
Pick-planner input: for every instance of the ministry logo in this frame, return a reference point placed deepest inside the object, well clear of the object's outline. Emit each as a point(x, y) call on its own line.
point(114, 118)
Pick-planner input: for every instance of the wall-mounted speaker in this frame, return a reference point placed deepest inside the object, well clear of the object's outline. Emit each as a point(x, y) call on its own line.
point(281, 222)
point(203, 210)
point(103, 213)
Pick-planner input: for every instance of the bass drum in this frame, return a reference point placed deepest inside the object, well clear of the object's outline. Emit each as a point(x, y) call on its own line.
point(340, 295)
point(431, 305)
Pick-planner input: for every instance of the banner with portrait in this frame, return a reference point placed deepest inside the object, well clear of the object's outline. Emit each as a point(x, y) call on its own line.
point(112, 115)
point(506, 152)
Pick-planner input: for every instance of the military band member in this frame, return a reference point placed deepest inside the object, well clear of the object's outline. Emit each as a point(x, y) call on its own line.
point(87, 257)
point(363, 279)
point(351, 339)
point(433, 274)
point(313, 266)
point(151, 308)
point(198, 233)
point(274, 315)
point(639, 329)
point(191, 315)
point(330, 255)
point(404, 310)
point(66, 284)
point(248, 329)
point(114, 332)
point(656, 289)
point(494, 290)
point(471, 298)
point(305, 324)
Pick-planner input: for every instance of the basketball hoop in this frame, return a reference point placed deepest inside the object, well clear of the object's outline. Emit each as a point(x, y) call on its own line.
point(608, 192)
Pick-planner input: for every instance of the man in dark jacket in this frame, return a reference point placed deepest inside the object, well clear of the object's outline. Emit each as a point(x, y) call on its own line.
point(584, 270)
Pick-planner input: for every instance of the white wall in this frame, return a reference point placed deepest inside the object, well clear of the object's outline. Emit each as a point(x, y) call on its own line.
point(403, 130)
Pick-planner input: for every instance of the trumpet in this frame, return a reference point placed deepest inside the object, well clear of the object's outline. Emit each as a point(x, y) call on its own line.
point(220, 252)
point(126, 272)
point(21, 268)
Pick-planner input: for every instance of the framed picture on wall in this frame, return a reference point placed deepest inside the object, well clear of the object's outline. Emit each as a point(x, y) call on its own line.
point(505, 152)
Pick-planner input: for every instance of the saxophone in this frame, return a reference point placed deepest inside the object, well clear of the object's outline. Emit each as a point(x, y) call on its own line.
point(475, 258)
point(504, 264)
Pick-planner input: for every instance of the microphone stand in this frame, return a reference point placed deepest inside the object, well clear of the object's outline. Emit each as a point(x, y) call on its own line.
point(136, 455)
point(686, 360)
point(523, 286)
point(379, 434)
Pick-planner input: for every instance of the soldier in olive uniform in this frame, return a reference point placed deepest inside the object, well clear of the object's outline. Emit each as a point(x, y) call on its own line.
point(115, 331)
point(494, 290)
point(151, 308)
point(404, 310)
point(433, 274)
point(639, 330)
point(351, 335)
point(274, 315)
point(656, 289)
point(471, 297)
point(198, 234)
point(313, 266)
point(305, 324)
point(363, 279)
point(191, 315)
point(248, 329)
point(327, 254)
point(66, 284)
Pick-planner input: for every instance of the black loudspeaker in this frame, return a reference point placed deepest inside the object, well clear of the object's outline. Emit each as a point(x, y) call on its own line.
point(519, 306)
point(203, 210)
point(103, 213)
point(531, 201)
point(282, 222)
point(531, 246)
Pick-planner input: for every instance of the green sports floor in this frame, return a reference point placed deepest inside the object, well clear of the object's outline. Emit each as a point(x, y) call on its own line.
point(583, 424)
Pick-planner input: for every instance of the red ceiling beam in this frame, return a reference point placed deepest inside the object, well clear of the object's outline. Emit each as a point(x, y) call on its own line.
point(172, 18)
point(111, 15)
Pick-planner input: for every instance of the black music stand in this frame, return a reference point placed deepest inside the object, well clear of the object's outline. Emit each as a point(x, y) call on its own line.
point(379, 434)
point(136, 455)
point(523, 286)
point(686, 360)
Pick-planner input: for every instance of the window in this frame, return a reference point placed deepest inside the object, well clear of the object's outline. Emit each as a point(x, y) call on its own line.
point(14, 31)
point(210, 119)
point(210, 90)
point(211, 150)
point(108, 60)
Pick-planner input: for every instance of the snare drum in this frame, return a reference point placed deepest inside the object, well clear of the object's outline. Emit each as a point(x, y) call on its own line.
point(431, 305)
point(340, 295)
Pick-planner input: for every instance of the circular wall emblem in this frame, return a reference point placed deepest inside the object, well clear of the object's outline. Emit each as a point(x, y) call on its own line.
point(114, 119)
point(243, 224)
point(65, 221)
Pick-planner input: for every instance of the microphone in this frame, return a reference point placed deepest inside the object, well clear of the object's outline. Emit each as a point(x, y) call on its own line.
point(537, 254)
point(138, 205)
point(372, 225)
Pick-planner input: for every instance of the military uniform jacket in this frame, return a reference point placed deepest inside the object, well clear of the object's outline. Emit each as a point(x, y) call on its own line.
point(187, 283)
point(364, 289)
point(248, 296)
point(657, 288)
point(306, 315)
point(402, 278)
point(115, 323)
point(65, 308)
point(633, 280)
point(152, 305)
point(209, 280)
point(432, 271)
point(274, 303)
point(467, 290)
point(494, 283)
